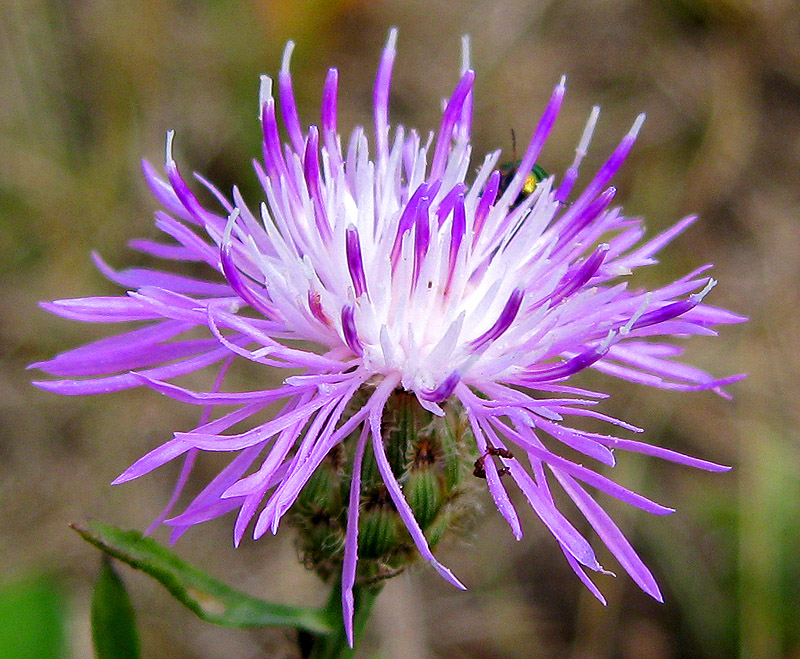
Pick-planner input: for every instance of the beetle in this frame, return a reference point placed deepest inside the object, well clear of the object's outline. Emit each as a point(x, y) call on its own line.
point(509, 169)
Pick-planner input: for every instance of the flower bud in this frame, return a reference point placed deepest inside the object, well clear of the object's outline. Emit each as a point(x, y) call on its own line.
point(431, 457)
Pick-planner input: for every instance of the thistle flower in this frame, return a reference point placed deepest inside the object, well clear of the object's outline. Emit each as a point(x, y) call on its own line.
point(395, 278)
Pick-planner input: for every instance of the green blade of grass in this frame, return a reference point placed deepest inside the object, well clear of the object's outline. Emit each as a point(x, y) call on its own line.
point(113, 619)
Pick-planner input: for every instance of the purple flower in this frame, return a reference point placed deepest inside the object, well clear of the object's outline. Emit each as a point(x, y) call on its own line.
point(402, 270)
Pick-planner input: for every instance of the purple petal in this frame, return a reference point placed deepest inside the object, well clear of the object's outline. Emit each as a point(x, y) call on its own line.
point(129, 380)
point(538, 139)
point(658, 452)
point(488, 198)
point(329, 122)
point(355, 263)
point(393, 487)
point(100, 309)
point(78, 360)
point(349, 330)
point(84, 361)
point(177, 490)
point(312, 175)
point(496, 489)
point(288, 105)
point(138, 277)
point(578, 441)
point(586, 475)
point(611, 535)
point(451, 115)
point(381, 98)
point(219, 398)
point(443, 391)
point(567, 535)
point(351, 537)
point(503, 322)
point(407, 220)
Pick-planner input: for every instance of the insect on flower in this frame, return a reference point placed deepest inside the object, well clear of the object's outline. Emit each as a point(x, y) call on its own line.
point(508, 171)
point(432, 318)
point(480, 471)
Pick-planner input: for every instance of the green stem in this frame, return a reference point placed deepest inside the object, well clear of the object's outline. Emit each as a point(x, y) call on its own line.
point(334, 645)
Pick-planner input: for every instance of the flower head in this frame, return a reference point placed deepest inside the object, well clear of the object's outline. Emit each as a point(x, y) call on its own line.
point(393, 268)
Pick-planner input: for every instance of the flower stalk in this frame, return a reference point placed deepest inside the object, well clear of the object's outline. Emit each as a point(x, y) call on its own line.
point(338, 644)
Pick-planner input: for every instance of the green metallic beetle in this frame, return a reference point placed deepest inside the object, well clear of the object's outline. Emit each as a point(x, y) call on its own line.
point(509, 170)
point(534, 177)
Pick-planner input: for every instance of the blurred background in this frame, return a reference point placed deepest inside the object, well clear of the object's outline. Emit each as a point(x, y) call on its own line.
point(88, 87)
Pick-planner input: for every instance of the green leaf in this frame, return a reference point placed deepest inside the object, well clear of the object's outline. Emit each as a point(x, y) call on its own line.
point(210, 599)
point(113, 619)
point(32, 619)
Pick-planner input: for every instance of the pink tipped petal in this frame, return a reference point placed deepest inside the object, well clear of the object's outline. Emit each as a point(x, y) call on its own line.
point(487, 199)
point(164, 192)
point(313, 181)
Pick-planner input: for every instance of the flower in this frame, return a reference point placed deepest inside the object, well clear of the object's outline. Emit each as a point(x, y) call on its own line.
point(374, 272)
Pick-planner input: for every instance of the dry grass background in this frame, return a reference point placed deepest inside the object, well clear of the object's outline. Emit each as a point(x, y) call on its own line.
point(87, 87)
